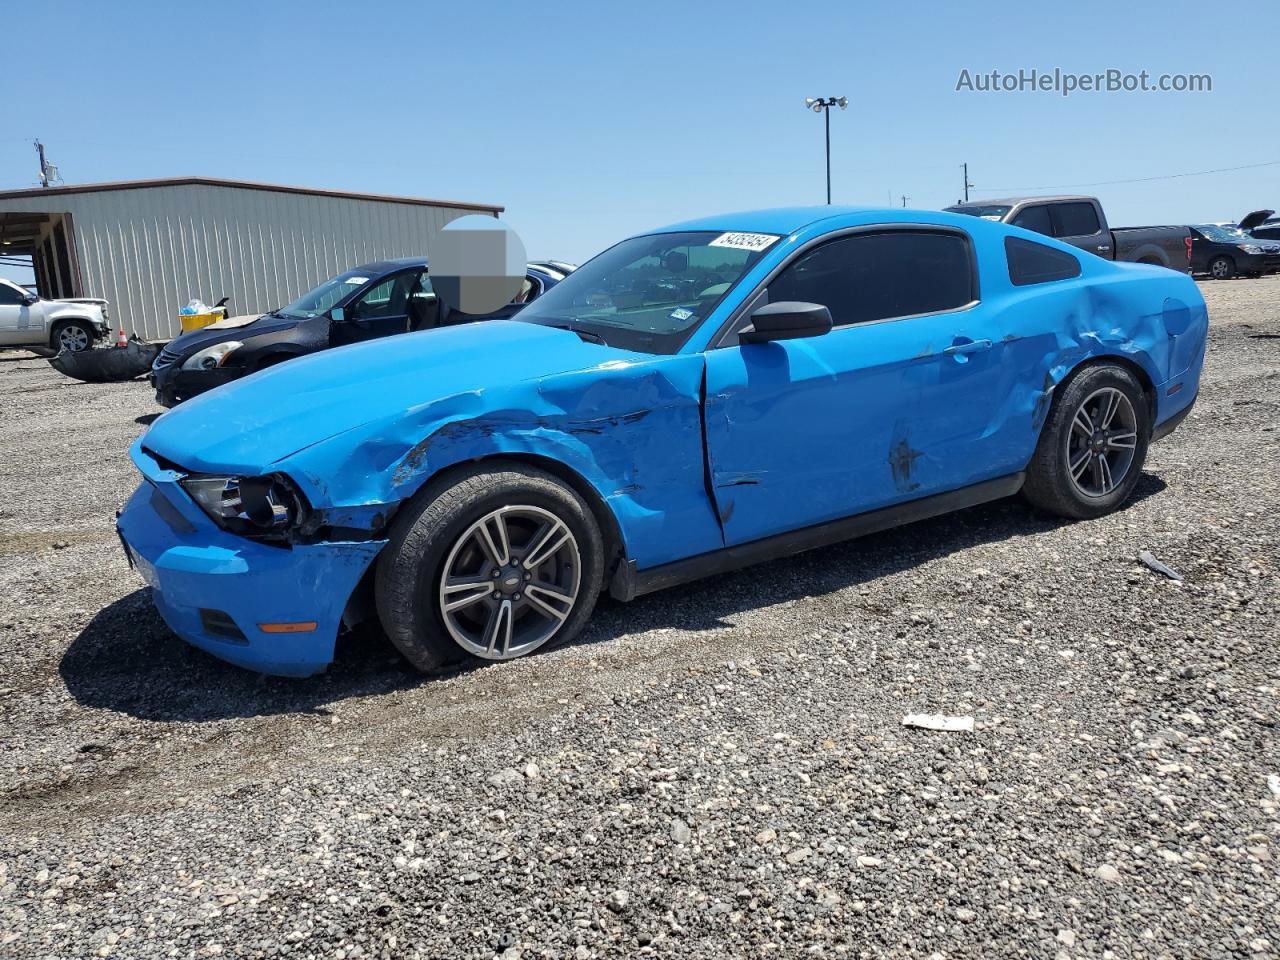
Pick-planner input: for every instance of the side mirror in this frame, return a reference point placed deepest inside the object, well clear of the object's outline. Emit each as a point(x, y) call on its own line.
point(30, 298)
point(337, 315)
point(787, 320)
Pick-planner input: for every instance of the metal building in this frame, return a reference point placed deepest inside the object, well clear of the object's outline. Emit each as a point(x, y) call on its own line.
point(149, 246)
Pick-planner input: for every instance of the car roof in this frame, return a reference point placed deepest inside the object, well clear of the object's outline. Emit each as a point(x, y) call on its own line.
point(379, 267)
point(789, 220)
point(387, 266)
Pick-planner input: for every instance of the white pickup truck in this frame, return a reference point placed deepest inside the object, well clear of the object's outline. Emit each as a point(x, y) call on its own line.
point(28, 320)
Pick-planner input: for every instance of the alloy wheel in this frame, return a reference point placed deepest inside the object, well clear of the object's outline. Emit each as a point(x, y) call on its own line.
point(1102, 442)
point(73, 338)
point(1220, 269)
point(510, 582)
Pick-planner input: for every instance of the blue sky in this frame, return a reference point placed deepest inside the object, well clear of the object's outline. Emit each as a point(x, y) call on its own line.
point(590, 121)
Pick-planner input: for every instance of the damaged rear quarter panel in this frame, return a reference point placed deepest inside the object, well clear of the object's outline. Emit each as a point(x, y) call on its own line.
point(630, 429)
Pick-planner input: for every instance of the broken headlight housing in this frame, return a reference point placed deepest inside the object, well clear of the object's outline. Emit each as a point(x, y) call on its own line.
point(263, 508)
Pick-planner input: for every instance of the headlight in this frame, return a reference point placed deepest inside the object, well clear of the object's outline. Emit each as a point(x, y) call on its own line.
point(1250, 248)
point(210, 358)
point(266, 507)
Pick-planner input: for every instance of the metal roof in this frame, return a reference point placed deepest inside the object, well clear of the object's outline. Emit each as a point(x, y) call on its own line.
point(29, 192)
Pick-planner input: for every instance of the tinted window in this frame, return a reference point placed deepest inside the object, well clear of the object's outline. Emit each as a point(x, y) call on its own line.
point(877, 276)
point(1035, 218)
point(650, 293)
point(1035, 263)
point(1075, 220)
point(1267, 233)
point(9, 296)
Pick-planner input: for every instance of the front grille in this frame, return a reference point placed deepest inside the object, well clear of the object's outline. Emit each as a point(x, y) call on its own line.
point(166, 358)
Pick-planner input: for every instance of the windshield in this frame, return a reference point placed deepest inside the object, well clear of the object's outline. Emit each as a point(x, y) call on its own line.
point(650, 293)
point(1224, 234)
point(991, 211)
point(325, 296)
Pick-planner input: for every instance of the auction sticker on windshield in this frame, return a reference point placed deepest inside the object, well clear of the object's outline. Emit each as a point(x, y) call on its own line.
point(754, 242)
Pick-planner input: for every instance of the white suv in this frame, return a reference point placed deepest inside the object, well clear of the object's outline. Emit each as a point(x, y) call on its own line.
point(27, 320)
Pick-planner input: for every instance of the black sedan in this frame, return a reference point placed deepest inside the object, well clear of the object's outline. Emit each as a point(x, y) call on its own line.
point(376, 300)
point(1224, 252)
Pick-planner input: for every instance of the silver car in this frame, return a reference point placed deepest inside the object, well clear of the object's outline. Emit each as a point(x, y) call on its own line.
point(28, 320)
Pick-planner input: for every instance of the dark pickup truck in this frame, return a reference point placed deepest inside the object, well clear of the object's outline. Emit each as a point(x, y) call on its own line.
point(1080, 222)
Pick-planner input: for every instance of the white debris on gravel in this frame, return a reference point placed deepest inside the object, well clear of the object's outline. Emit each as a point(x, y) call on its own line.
point(155, 802)
point(938, 721)
point(1151, 563)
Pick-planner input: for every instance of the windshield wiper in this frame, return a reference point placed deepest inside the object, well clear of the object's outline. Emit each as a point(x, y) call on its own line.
point(586, 335)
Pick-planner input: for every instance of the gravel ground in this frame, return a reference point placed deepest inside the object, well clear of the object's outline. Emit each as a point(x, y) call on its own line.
point(717, 770)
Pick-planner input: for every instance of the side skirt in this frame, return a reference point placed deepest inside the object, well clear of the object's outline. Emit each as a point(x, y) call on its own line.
point(629, 583)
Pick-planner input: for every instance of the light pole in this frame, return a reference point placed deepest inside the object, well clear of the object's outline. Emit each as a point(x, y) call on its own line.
point(823, 106)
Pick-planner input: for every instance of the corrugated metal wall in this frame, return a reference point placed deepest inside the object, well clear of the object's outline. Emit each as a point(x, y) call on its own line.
point(150, 250)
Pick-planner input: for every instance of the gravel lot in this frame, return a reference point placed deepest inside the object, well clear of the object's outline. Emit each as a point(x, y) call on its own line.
point(718, 770)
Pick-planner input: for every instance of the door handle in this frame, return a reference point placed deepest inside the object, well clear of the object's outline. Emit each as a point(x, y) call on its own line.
point(1104, 246)
point(969, 346)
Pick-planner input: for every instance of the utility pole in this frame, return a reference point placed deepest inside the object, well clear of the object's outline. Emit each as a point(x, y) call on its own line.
point(967, 184)
point(905, 198)
point(48, 171)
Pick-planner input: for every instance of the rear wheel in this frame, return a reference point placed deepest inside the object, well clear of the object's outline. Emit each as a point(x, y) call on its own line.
point(499, 562)
point(1222, 268)
point(1093, 445)
point(72, 336)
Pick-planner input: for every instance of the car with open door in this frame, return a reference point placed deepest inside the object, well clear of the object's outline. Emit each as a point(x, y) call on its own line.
point(370, 302)
point(1223, 251)
point(1261, 224)
point(693, 400)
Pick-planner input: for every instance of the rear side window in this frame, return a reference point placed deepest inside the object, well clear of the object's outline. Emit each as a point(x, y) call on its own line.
point(1075, 220)
point(1031, 262)
point(878, 276)
point(1035, 218)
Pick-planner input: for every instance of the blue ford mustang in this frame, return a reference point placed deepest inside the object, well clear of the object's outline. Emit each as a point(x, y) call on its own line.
point(695, 399)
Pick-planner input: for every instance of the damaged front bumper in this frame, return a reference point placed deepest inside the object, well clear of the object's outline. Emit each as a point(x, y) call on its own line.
point(173, 385)
point(271, 609)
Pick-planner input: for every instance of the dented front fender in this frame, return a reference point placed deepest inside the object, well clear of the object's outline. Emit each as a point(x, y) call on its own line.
point(630, 429)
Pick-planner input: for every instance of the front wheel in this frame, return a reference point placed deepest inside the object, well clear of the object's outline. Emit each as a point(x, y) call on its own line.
point(499, 562)
point(1222, 268)
point(1093, 445)
point(72, 337)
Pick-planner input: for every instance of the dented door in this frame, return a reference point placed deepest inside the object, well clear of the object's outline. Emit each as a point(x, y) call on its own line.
point(800, 432)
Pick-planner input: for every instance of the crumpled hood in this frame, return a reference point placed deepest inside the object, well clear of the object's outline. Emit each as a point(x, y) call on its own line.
point(74, 309)
point(250, 424)
point(186, 344)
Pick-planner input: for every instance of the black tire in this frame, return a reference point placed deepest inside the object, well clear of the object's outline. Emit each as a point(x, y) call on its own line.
point(407, 583)
point(1222, 268)
point(82, 334)
point(1049, 484)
